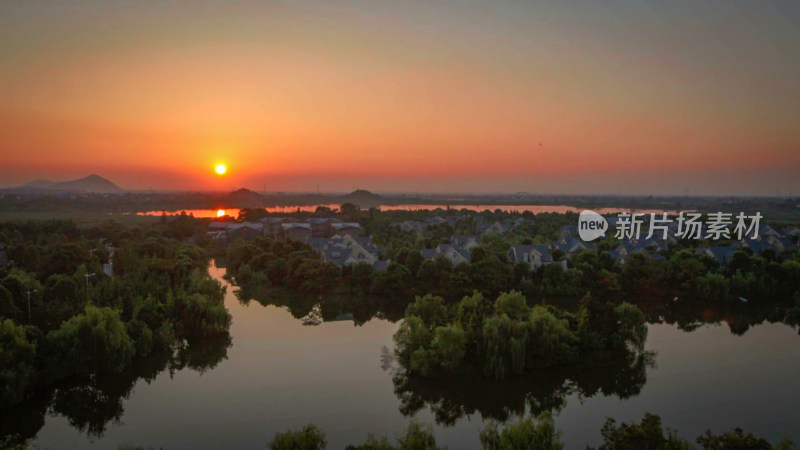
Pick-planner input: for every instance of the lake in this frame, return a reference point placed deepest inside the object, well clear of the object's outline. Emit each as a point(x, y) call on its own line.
point(536, 209)
point(280, 374)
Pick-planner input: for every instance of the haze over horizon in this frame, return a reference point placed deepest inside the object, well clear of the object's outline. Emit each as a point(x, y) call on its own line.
point(571, 97)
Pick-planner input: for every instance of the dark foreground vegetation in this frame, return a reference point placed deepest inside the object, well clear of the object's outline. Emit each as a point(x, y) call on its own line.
point(85, 313)
point(506, 337)
point(660, 277)
point(68, 321)
point(540, 433)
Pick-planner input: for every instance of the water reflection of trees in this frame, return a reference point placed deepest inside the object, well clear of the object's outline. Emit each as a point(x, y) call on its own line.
point(687, 314)
point(91, 404)
point(620, 375)
point(315, 309)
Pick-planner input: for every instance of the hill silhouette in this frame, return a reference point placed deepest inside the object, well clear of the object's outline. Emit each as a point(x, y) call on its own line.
point(245, 198)
point(362, 198)
point(91, 183)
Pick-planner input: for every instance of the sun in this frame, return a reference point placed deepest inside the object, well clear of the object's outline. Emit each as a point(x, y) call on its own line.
point(221, 169)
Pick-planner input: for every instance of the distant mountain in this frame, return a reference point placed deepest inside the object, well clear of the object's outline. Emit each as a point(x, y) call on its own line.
point(362, 198)
point(92, 183)
point(245, 197)
point(37, 184)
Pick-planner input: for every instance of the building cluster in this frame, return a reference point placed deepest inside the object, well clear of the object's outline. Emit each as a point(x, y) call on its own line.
point(769, 238)
point(283, 228)
point(348, 250)
point(338, 242)
point(481, 224)
point(342, 243)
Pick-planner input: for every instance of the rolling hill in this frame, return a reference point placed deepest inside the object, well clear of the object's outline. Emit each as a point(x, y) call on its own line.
point(92, 183)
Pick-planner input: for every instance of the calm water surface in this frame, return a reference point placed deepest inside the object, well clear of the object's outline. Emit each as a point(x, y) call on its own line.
point(536, 209)
point(281, 374)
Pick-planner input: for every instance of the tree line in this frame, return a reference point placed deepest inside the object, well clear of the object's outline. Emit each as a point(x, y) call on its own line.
point(540, 433)
point(504, 337)
point(62, 317)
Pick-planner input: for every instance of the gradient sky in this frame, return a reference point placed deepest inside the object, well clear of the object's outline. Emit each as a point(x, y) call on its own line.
point(541, 96)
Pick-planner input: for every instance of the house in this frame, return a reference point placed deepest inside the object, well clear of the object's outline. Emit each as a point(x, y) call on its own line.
point(619, 254)
point(220, 226)
point(296, 231)
point(571, 245)
point(779, 243)
point(535, 255)
point(792, 232)
point(347, 228)
point(380, 266)
point(496, 228)
point(568, 231)
point(769, 230)
point(272, 226)
point(244, 230)
point(466, 241)
point(411, 225)
point(321, 226)
point(347, 250)
point(722, 254)
point(347, 256)
point(623, 252)
point(456, 255)
point(435, 220)
point(757, 246)
point(429, 253)
point(317, 244)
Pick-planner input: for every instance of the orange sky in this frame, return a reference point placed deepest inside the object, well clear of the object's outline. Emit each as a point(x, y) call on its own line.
point(513, 96)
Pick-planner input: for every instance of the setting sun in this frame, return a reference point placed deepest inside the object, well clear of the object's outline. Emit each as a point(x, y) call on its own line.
point(221, 169)
point(220, 212)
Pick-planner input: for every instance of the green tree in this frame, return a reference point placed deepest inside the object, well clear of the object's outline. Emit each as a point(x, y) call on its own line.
point(647, 435)
point(733, 440)
point(430, 309)
point(411, 336)
point(92, 342)
point(512, 304)
point(307, 438)
point(449, 345)
point(417, 437)
point(525, 434)
point(631, 326)
point(550, 340)
point(17, 364)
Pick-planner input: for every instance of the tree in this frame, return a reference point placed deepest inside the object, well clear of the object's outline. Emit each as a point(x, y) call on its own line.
point(17, 364)
point(92, 342)
point(733, 440)
point(647, 435)
point(512, 304)
point(631, 326)
point(417, 437)
point(412, 335)
point(350, 210)
point(62, 300)
point(430, 309)
point(449, 345)
point(550, 342)
point(525, 434)
point(314, 276)
point(307, 438)
point(7, 307)
point(414, 437)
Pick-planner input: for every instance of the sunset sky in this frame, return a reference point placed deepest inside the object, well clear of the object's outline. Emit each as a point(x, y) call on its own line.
point(540, 96)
